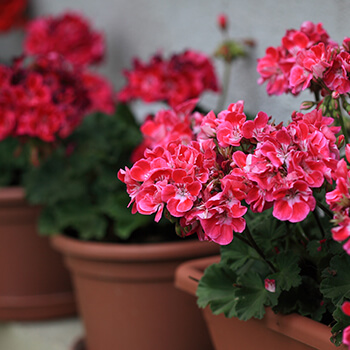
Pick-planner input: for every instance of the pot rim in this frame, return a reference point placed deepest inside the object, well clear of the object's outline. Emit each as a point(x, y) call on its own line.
point(163, 251)
point(11, 194)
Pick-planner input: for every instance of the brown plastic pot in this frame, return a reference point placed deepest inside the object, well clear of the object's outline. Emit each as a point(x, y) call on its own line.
point(126, 294)
point(291, 332)
point(34, 283)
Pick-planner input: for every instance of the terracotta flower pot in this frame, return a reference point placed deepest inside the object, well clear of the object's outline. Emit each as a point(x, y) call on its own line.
point(292, 332)
point(127, 298)
point(34, 283)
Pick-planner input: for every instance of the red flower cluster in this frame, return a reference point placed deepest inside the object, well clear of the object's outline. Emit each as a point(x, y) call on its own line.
point(305, 56)
point(166, 126)
point(184, 76)
point(48, 98)
point(12, 13)
point(204, 182)
point(69, 34)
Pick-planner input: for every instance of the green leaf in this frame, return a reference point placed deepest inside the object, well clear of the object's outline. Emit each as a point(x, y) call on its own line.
point(116, 207)
point(336, 279)
point(305, 300)
point(252, 297)
point(288, 275)
point(92, 227)
point(266, 230)
point(80, 187)
point(237, 253)
point(13, 162)
point(47, 222)
point(216, 289)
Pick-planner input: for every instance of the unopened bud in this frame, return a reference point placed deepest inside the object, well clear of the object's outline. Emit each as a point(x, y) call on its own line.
point(335, 95)
point(334, 104)
point(270, 285)
point(222, 21)
point(306, 105)
point(340, 141)
point(323, 109)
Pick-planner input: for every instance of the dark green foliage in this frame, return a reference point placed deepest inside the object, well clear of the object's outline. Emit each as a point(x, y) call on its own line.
point(78, 185)
point(310, 271)
point(13, 162)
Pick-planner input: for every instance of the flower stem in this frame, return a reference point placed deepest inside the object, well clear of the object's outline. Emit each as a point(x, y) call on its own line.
point(258, 250)
point(225, 86)
point(325, 209)
point(342, 123)
point(319, 224)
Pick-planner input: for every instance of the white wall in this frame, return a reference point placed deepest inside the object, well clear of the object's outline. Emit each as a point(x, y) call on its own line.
point(139, 28)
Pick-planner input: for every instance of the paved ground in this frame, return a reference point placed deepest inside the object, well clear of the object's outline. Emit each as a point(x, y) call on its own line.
point(48, 335)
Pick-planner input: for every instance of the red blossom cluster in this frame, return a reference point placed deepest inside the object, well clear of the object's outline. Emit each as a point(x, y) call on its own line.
point(69, 34)
point(168, 125)
point(305, 57)
point(47, 97)
point(230, 159)
point(182, 77)
point(12, 13)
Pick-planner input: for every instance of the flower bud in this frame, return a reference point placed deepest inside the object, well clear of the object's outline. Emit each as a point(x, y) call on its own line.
point(306, 105)
point(222, 22)
point(334, 104)
point(340, 141)
point(270, 285)
point(335, 95)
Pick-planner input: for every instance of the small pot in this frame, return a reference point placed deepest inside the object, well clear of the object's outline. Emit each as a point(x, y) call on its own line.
point(127, 298)
point(34, 283)
point(274, 331)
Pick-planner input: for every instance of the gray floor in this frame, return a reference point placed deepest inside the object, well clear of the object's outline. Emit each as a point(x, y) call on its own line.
point(48, 335)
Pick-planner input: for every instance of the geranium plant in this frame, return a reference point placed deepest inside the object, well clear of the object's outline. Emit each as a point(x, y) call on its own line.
point(90, 205)
point(275, 197)
point(45, 95)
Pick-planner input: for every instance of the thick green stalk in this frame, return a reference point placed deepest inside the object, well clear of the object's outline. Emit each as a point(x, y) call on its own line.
point(258, 250)
point(325, 209)
point(342, 123)
point(319, 224)
point(225, 85)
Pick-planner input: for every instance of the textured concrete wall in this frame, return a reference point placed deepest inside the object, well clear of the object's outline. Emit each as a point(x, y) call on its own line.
point(139, 28)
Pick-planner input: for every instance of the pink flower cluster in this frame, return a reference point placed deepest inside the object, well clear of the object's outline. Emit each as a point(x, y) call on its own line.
point(339, 202)
point(47, 98)
point(306, 57)
point(69, 34)
point(231, 160)
point(182, 77)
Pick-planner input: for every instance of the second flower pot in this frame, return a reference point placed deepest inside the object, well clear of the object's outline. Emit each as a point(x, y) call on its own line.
point(127, 297)
point(274, 331)
point(34, 283)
